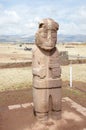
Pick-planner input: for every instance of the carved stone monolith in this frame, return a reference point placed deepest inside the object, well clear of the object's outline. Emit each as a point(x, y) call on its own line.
point(46, 72)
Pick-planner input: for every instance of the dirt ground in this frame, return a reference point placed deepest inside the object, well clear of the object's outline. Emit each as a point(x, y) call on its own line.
point(22, 119)
point(24, 95)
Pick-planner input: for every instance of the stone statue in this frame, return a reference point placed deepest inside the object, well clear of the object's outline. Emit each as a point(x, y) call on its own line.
point(46, 72)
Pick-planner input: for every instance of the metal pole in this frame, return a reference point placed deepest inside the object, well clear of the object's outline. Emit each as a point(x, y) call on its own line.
point(70, 75)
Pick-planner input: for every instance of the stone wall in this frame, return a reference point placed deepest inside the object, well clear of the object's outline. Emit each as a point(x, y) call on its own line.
point(64, 58)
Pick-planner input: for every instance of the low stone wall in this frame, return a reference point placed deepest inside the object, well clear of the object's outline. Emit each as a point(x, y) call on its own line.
point(63, 62)
point(15, 64)
point(78, 61)
point(64, 59)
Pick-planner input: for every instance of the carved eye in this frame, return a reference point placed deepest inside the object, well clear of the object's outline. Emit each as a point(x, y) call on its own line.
point(41, 25)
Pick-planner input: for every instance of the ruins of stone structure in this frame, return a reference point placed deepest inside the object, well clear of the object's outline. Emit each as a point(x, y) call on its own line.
point(46, 72)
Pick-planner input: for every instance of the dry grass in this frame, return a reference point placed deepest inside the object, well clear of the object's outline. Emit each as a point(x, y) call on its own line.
point(21, 78)
point(78, 72)
point(16, 78)
point(13, 52)
point(73, 49)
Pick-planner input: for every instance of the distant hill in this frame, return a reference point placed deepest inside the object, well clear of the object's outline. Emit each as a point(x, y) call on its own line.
point(71, 38)
point(16, 38)
point(30, 39)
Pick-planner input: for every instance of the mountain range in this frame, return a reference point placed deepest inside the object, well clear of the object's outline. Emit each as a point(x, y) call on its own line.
point(30, 39)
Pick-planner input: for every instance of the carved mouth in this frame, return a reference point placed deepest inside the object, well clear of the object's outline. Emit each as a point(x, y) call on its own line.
point(47, 47)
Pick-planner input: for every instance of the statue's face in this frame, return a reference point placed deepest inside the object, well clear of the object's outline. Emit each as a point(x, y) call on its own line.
point(46, 37)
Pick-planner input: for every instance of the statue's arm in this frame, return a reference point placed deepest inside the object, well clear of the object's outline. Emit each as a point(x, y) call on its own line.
point(40, 72)
point(38, 69)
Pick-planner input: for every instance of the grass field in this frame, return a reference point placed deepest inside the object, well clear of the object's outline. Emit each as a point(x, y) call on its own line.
point(73, 49)
point(15, 78)
point(15, 83)
point(18, 78)
point(78, 72)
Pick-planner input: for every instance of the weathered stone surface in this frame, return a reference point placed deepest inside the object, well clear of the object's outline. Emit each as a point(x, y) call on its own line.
point(47, 83)
point(42, 100)
point(54, 83)
point(46, 36)
point(46, 72)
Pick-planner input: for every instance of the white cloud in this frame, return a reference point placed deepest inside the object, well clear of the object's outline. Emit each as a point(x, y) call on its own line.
point(15, 21)
point(73, 22)
point(22, 19)
point(9, 17)
point(70, 28)
point(79, 16)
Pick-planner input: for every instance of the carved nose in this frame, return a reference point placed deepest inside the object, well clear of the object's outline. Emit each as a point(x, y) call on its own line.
point(49, 36)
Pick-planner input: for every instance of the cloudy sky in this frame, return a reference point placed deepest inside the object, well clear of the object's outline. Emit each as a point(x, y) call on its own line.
point(22, 16)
